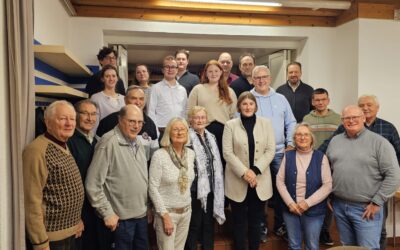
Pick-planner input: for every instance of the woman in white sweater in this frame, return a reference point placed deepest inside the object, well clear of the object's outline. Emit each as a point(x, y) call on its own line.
point(171, 175)
point(108, 101)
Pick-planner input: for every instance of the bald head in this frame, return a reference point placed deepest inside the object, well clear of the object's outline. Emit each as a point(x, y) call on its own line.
point(130, 121)
point(225, 59)
point(353, 120)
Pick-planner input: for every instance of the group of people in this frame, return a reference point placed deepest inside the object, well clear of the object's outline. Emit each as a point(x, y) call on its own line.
point(182, 152)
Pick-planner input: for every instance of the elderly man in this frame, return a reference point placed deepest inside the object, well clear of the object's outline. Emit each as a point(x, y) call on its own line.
point(247, 62)
point(117, 181)
point(225, 59)
point(81, 145)
point(168, 98)
point(148, 134)
point(296, 91)
point(106, 56)
point(276, 108)
point(365, 174)
point(370, 107)
point(185, 78)
point(52, 184)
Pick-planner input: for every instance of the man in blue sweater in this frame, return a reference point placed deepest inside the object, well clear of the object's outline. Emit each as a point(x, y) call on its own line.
point(365, 175)
point(276, 108)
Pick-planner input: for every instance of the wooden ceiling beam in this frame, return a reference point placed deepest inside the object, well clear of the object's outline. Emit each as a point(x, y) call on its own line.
point(209, 7)
point(204, 17)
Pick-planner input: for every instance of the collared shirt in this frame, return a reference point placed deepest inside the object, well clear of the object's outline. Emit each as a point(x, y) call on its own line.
point(294, 87)
point(167, 102)
point(88, 136)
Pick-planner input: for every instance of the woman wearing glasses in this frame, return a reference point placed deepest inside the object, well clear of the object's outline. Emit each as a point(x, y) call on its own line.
point(304, 182)
point(170, 177)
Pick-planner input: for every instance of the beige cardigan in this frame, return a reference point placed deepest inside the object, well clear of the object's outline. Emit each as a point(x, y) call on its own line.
point(236, 154)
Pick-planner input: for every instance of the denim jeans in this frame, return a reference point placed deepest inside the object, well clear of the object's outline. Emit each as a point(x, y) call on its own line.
point(305, 226)
point(276, 198)
point(132, 234)
point(353, 230)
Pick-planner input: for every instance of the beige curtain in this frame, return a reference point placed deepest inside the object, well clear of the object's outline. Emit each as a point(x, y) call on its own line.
point(19, 33)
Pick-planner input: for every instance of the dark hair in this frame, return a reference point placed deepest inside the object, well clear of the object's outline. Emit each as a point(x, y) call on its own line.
point(107, 67)
point(183, 51)
point(319, 91)
point(223, 89)
point(293, 63)
point(105, 51)
point(243, 96)
point(77, 105)
point(251, 55)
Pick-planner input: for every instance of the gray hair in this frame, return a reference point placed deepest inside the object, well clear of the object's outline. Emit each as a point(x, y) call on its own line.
point(51, 109)
point(194, 110)
point(373, 97)
point(166, 139)
point(258, 68)
point(308, 126)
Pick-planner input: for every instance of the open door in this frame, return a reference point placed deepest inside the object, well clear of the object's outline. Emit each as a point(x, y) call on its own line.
point(277, 65)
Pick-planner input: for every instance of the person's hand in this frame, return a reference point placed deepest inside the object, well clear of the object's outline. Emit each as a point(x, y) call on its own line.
point(288, 148)
point(79, 230)
point(303, 206)
point(168, 225)
point(112, 222)
point(250, 177)
point(294, 208)
point(370, 210)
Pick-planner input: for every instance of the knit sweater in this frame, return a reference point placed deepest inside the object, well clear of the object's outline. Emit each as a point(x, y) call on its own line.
point(53, 192)
point(365, 168)
point(163, 181)
point(217, 110)
point(322, 126)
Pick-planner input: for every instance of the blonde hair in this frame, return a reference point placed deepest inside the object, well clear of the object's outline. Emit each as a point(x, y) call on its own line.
point(194, 110)
point(166, 139)
point(308, 126)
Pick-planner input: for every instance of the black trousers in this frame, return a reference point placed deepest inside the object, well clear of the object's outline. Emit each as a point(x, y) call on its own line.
point(217, 129)
point(249, 212)
point(201, 225)
point(65, 244)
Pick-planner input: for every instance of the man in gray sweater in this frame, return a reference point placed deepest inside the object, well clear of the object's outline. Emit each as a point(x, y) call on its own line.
point(117, 181)
point(365, 174)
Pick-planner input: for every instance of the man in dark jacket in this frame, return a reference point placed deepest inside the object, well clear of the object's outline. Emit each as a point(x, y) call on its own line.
point(296, 92)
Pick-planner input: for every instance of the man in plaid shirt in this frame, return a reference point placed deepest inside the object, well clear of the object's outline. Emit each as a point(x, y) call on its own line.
point(370, 107)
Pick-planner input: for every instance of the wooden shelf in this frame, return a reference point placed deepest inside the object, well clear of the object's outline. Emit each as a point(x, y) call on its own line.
point(61, 59)
point(59, 91)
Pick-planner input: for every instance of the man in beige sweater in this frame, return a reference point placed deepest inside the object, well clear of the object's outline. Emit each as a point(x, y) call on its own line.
point(52, 184)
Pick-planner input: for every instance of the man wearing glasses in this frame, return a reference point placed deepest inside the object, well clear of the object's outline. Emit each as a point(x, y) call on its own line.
point(365, 175)
point(117, 180)
point(106, 56)
point(168, 98)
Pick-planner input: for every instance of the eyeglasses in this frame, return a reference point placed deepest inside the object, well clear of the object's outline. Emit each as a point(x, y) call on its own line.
point(258, 78)
point(178, 130)
point(351, 118)
point(134, 122)
point(169, 67)
point(87, 114)
point(299, 135)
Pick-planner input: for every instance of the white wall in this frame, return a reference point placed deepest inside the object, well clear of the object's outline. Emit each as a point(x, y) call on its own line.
point(5, 185)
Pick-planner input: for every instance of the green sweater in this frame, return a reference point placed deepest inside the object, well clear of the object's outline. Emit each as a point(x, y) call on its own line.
point(322, 126)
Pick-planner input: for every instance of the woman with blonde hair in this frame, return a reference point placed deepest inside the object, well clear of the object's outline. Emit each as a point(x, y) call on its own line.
point(218, 99)
point(170, 177)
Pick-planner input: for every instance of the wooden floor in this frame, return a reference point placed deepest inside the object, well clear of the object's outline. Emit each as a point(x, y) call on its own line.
point(223, 239)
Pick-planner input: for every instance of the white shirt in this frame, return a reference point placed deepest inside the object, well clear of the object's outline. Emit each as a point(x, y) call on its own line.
point(167, 102)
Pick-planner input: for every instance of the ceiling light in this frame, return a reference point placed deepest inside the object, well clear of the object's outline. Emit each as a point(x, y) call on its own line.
point(236, 2)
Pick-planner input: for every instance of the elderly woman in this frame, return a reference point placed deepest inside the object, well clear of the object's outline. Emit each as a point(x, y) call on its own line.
point(249, 147)
point(304, 181)
point(208, 186)
point(170, 177)
point(216, 96)
point(108, 101)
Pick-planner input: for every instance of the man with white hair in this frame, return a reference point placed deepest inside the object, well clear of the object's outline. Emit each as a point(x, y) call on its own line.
point(53, 188)
point(366, 174)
